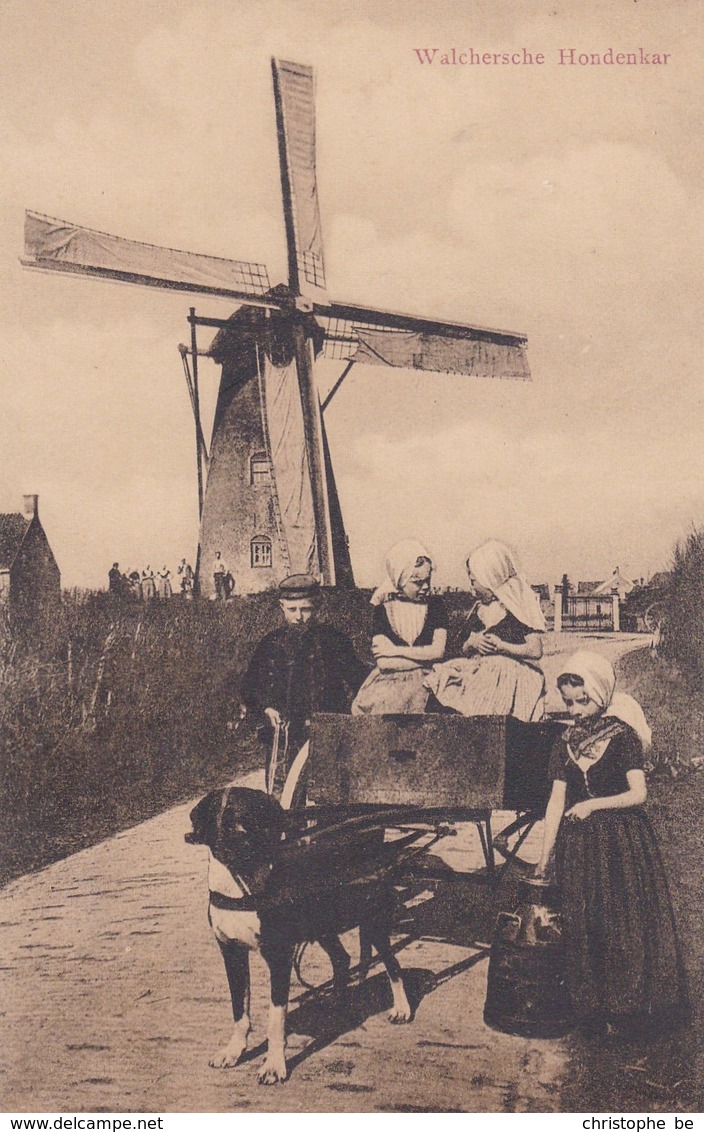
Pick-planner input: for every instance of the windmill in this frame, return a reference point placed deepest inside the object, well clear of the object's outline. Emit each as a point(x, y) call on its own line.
point(266, 489)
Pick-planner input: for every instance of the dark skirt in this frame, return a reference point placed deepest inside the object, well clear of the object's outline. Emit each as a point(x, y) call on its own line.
point(622, 952)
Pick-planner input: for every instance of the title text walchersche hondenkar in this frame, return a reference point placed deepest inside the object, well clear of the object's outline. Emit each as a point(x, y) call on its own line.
point(522, 57)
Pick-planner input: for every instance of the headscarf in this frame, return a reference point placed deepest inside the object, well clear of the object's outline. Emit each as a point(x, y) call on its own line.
point(400, 560)
point(406, 618)
point(495, 567)
point(599, 680)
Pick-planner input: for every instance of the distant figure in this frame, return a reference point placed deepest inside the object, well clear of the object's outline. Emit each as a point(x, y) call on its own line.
point(163, 585)
point(229, 585)
point(187, 579)
point(116, 582)
point(134, 584)
point(219, 576)
point(148, 584)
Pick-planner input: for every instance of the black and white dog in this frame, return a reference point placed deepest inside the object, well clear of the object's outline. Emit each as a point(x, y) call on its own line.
point(262, 899)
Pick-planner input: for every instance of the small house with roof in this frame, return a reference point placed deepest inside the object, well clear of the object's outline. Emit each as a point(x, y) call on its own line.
point(616, 584)
point(30, 580)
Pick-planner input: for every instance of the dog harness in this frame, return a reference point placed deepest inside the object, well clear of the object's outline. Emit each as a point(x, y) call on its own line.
point(247, 903)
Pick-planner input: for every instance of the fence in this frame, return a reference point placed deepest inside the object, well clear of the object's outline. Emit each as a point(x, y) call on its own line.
point(586, 613)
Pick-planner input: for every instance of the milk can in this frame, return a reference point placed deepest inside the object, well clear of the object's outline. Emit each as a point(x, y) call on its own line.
point(526, 992)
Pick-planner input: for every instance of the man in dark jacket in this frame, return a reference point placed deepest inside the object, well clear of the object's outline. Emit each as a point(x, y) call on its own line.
point(116, 582)
point(306, 666)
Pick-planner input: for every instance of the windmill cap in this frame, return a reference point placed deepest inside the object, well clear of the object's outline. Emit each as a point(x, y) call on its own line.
point(298, 586)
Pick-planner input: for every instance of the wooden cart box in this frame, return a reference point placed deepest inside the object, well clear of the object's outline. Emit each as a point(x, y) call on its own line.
point(415, 760)
point(484, 762)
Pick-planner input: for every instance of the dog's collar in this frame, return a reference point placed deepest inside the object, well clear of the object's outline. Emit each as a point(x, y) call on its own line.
point(246, 903)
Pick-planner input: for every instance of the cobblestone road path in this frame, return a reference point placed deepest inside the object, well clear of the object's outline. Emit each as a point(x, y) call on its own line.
point(113, 996)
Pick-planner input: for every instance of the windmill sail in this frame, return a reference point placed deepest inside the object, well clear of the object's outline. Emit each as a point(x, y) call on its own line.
point(372, 337)
point(441, 354)
point(294, 99)
point(283, 420)
point(60, 246)
point(294, 94)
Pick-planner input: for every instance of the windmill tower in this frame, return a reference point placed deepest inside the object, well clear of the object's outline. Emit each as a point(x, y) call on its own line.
point(267, 494)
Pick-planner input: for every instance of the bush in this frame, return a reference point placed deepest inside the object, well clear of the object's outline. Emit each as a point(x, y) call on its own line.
point(683, 639)
point(129, 715)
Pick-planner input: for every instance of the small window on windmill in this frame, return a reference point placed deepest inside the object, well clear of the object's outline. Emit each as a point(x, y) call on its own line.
point(259, 470)
point(260, 550)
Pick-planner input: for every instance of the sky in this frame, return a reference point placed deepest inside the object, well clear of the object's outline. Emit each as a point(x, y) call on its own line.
point(561, 201)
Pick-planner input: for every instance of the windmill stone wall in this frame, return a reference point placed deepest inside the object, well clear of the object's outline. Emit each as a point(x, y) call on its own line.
point(239, 517)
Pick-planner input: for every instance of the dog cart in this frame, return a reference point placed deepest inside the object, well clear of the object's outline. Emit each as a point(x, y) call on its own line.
point(433, 769)
point(370, 796)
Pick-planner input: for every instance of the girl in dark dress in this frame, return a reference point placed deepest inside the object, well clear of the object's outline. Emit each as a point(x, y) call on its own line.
point(622, 953)
point(409, 634)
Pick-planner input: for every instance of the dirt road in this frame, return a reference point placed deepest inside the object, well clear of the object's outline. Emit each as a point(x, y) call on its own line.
point(560, 645)
point(113, 996)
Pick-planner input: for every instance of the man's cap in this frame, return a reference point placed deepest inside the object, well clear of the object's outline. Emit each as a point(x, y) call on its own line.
point(299, 586)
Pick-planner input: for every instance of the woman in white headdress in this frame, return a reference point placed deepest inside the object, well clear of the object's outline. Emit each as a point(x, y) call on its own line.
point(622, 953)
point(500, 672)
point(409, 634)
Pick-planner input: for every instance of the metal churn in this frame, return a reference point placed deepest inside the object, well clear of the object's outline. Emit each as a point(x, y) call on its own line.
point(527, 992)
